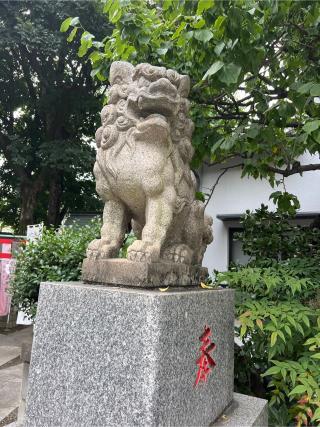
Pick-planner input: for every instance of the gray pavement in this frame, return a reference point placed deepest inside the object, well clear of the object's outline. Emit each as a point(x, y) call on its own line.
point(11, 369)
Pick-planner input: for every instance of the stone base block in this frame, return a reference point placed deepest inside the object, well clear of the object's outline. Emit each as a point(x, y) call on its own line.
point(108, 356)
point(244, 411)
point(119, 271)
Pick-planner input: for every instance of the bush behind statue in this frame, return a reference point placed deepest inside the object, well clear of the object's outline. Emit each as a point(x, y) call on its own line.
point(57, 256)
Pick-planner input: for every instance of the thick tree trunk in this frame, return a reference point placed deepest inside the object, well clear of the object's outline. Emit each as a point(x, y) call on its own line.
point(55, 193)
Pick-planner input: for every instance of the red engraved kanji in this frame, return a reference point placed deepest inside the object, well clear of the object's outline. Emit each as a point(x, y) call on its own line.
point(205, 362)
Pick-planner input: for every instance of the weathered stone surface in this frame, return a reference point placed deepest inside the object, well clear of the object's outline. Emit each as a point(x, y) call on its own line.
point(110, 356)
point(141, 274)
point(142, 168)
point(244, 411)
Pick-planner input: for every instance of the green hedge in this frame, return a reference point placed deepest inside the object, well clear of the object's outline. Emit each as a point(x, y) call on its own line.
point(57, 256)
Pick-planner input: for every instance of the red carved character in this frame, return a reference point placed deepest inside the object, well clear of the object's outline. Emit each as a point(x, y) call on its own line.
point(205, 362)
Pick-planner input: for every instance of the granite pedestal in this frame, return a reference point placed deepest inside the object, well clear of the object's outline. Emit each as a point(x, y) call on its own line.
point(244, 411)
point(110, 356)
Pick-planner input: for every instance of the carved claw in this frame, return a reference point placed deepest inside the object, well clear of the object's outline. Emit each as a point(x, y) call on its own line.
point(141, 251)
point(101, 248)
point(178, 253)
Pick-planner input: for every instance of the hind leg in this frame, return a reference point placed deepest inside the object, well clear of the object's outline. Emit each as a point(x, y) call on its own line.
point(112, 231)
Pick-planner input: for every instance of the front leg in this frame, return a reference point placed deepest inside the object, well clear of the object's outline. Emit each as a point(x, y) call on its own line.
point(112, 231)
point(159, 214)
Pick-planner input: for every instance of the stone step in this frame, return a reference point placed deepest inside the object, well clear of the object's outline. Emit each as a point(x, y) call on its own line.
point(10, 387)
point(8, 354)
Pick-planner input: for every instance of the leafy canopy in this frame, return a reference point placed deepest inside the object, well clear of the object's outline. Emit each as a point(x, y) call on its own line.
point(48, 110)
point(254, 67)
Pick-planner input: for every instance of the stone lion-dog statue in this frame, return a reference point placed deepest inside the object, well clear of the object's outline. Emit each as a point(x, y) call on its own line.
point(142, 169)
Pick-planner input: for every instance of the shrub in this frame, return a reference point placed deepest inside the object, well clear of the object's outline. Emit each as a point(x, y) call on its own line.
point(277, 303)
point(57, 256)
point(270, 235)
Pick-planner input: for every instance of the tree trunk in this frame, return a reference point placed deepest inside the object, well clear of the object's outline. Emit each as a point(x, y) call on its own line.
point(55, 193)
point(29, 194)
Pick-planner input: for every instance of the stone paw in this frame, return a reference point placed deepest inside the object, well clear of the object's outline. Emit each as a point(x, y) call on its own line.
point(102, 248)
point(141, 251)
point(93, 247)
point(109, 250)
point(178, 253)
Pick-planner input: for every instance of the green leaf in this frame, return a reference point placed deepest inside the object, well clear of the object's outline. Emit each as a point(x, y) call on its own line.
point(75, 21)
point(219, 48)
point(230, 74)
point(203, 35)
point(316, 356)
point(311, 126)
point(218, 22)
point(115, 12)
point(215, 67)
point(288, 330)
point(204, 5)
point(200, 196)
point(178, 30)
point(72, 34)
point(243, 330)
point(107, 6)
point(199, 24)
point(253, 131)
point(316, 415)
point(293, 376)
point(281, 335)
point(65, 25)
point(305, 88)
point(274, 337)
point(83, 49)
point(87, 36)
point(166, 4)
point(95, 56)
point(162, 50)
point(298, 389)
point(315, 90)
point(272, 371)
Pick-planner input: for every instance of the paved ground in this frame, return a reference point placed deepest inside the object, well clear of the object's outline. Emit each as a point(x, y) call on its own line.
point(11, 369)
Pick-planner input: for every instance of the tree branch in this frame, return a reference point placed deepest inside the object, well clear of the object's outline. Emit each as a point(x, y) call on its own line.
point(224, 170)
point(296, 168)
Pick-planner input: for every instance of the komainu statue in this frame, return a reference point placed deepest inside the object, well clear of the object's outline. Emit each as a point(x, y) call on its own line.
point(142, 169)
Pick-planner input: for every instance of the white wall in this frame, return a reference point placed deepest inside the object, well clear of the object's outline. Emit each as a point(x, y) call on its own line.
point(234, 195)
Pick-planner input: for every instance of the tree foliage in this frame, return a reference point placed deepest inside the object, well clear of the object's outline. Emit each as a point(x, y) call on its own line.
point(272, 236)
point(254, 67)
point(48, 111)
